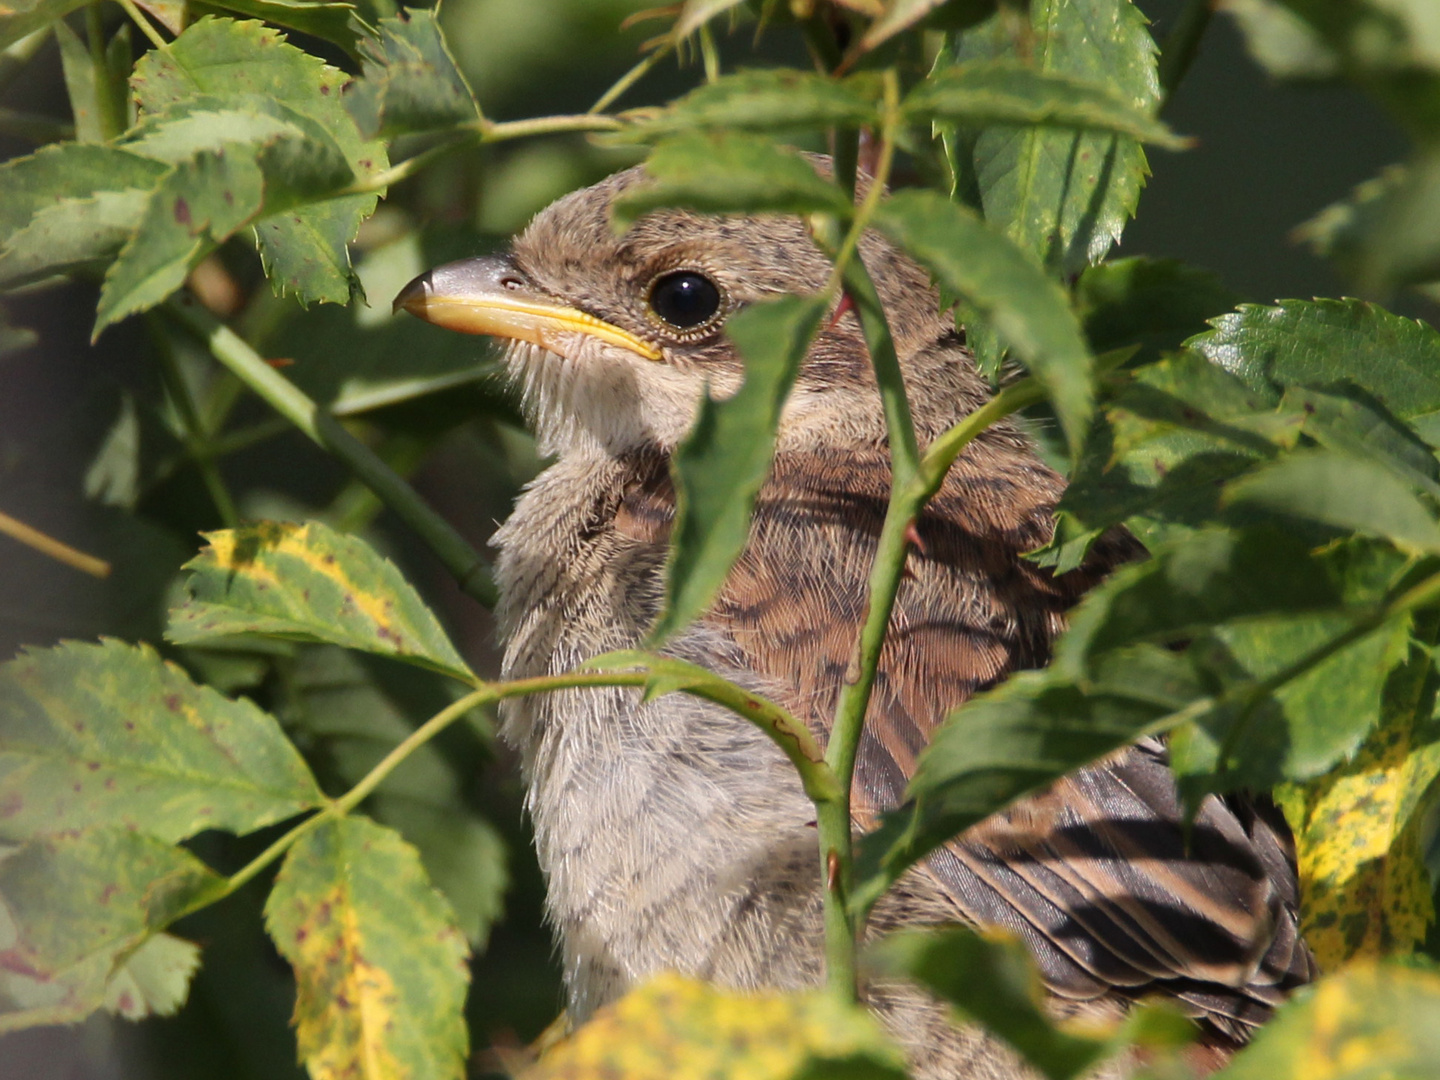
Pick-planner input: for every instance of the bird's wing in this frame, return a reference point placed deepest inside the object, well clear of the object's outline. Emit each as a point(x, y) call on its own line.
point(1093, 873)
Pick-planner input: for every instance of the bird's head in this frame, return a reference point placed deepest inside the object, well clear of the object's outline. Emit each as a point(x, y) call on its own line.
point(616, 337)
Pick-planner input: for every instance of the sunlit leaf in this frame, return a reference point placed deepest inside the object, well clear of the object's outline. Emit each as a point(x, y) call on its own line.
point(329, 21)
point(725, 173)
point(673, 1028)
point(81, 912)
point(1348, 419)
point(982, 93)
point(722, 463)
point(380, 967)
point(310, 583)
point(71, 233)
point(1359, 831)
point(992, 980)
point(67, 171)
point(770, 99)
point(695, 13)
point(304, 249)
point(1064, 196)
point(1282, 42)
point(901, 15)
point(1362, 1023)
point(1319, 342)
point(972, 260)
point(110, 734)
point(410, 81)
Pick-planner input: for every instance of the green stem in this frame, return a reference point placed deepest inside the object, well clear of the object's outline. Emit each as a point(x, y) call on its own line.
point(195, 437)
point(110, 105)
point(1181, 46)
point(784, 728)
point(629, 79)
point(146, 27)
point(709, 54)
point(468, 568)
point(246, 437)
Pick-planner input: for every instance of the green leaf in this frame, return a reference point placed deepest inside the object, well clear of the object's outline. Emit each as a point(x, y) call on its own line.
point(1322, 342)
point(71, 233)
point(1366, 1021)
point(1064, 196)
point(1155, 303)
point(902, 14)
point(381, 969)
point(304, 249)
point(410, 81)
point(1340, 491)
point(724, 173)
point(991, 980)
point(14, 338)
point(673, 1027)
point(310, 583)
point(80, 84)
point(984, 93)
point(1351, 421)
point(972, 260)
point(352, 719)
point(771, 99)
point(1010, 741)
point(328, 21)
point(21, 17)
point(1213, 576)
point(1282, 42)
point(81, 912)
point(110, 734)
point(68, 171)
point(722, 463)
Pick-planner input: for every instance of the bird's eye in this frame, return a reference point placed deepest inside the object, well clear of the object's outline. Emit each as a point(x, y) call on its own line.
point(685, 299)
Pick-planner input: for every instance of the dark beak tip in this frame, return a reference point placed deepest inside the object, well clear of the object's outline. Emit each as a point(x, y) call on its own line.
point(407, 298)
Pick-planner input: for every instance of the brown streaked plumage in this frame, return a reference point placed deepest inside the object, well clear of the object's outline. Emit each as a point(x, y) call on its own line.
point(674, 835)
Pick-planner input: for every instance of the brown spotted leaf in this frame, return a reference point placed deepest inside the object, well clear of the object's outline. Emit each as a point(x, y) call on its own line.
point(1358, 832)
point(380, 966)
point(110, 734)
point(309, 583)
point(674, 1028)
point(80, 915)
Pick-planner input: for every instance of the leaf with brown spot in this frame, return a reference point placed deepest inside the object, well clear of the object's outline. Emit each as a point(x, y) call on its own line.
point(380, 966)
point(111, 734)
point(80, 915)
point(310, 583)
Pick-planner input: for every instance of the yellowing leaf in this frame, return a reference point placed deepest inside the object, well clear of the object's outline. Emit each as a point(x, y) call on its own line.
point(380, 967)
point(675, 1028)
point(1368, 1022)
point(310, 583)
point(1364, 887)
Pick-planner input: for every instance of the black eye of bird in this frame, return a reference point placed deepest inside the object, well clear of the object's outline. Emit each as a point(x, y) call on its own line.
point(685, 299)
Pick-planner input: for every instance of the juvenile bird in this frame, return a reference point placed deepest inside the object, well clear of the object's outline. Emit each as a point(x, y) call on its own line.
point(674, 835)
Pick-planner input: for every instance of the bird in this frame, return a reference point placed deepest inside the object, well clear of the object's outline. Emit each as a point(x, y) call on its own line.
point(673, 835)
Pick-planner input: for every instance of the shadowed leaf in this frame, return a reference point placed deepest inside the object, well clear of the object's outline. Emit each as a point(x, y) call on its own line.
point(410, 80)
point(983, 93)
point(727, 173)
point(82, 913)
point(1155, 303)
point(310, 583)
point(773, 99)
point(335, 22)
point(973, 261)
point(722, 463)
point(992, 980)
point(673, 1028)
point(21, 17)
point(110, 734)
point(380, 967)
point(1349, 493)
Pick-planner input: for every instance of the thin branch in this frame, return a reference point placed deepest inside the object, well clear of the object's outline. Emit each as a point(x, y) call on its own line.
point(48, 545)
point(629, 79)
point(462, 560)
point(146, 27)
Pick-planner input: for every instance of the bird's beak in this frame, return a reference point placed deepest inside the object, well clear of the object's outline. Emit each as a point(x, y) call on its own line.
point(488, 295)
